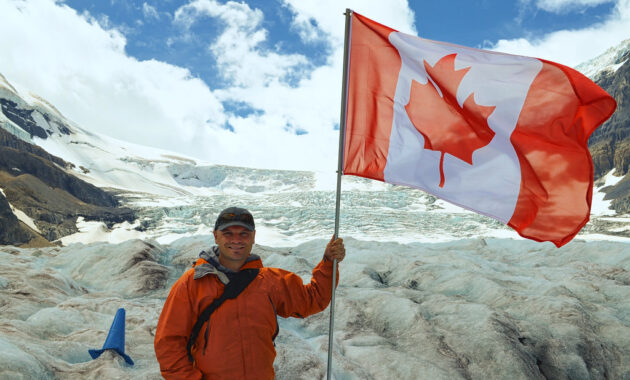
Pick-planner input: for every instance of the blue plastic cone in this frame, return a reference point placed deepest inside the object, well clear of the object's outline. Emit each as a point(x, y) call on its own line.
point(115, 339)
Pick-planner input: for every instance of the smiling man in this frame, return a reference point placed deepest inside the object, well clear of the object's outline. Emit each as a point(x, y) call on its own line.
point(236, 342)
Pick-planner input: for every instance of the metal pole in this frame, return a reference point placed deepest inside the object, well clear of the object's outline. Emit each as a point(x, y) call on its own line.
point(342, 127)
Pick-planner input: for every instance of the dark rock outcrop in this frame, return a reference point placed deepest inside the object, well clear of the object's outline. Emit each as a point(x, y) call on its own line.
point(55, 210)
point(10, 141)
point(10, 229)
point(22, 117)
point(610, 143)
point(16, 163)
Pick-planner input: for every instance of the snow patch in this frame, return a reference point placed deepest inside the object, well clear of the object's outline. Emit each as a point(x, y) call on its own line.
point(609, 61)
point(93, 231)
point(599, 206)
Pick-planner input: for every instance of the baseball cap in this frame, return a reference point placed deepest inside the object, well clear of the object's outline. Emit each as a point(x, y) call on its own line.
point(234, 216)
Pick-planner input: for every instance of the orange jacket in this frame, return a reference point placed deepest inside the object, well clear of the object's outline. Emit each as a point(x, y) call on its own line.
point(242, 330)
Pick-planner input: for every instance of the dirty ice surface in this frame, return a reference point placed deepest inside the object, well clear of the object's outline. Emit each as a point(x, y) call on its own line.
point(472, 308)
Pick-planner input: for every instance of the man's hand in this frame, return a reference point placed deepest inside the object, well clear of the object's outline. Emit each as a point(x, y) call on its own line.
point(335, 250)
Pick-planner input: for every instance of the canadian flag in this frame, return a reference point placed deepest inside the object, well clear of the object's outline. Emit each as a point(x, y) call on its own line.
point(502, 135)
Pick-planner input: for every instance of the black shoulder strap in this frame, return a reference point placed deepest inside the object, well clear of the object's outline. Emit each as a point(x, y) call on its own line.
point(237, 284)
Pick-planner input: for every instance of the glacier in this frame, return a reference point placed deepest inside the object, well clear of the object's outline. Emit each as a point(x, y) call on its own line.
point(470, 308)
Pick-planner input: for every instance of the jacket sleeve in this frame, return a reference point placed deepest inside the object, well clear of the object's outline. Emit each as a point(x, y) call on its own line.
point(173, 331)
point(294, 299)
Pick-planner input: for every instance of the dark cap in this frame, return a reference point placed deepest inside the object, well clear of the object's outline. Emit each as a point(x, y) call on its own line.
point(234, 216)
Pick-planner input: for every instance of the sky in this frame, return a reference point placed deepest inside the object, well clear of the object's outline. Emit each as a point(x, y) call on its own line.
point(253, 83)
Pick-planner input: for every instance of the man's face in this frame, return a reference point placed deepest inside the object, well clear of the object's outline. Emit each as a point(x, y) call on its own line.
point(235, 244)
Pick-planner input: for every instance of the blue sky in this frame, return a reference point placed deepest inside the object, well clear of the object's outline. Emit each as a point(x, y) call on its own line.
point(151, 32)
point(253, 83)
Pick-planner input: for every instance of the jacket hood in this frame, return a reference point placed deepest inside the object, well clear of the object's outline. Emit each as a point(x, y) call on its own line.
point(208, 264)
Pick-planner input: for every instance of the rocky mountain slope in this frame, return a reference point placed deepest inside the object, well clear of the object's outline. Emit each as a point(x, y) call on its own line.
point(610, 143)
point(41, 186)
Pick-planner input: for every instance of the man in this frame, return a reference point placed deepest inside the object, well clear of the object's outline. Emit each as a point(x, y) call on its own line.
point(237, 341)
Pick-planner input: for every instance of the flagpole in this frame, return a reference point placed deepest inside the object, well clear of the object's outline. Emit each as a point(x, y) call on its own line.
point(342, 128)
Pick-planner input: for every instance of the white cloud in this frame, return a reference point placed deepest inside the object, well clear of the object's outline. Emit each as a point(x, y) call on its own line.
point(572, 47)
point(316, 19)
point(566, 6)
point(149, 12)
point(290, 93)
point(81, 68)
point(239, 50)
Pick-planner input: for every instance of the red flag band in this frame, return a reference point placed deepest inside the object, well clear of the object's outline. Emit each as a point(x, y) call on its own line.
point(502, 135)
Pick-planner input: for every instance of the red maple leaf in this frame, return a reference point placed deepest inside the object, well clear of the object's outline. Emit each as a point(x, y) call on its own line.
point(447, 127)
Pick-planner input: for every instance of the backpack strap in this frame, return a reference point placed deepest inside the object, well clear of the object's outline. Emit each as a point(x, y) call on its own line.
point(237, 284)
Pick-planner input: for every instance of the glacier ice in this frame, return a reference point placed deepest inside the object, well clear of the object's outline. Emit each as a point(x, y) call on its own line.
point(472, 308)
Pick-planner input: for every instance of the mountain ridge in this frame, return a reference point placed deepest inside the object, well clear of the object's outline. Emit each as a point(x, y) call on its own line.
point(610, 143)
point(40, 184)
